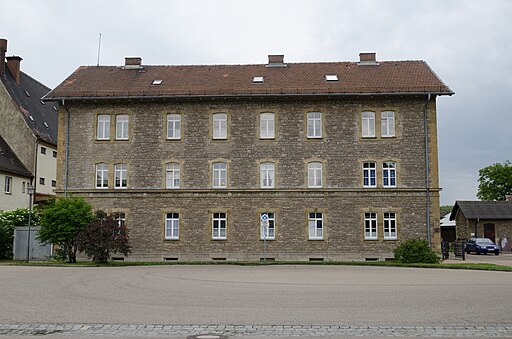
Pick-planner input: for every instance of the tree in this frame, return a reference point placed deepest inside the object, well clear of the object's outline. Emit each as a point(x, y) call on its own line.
point(9, 220)
point(102, 237)
point(61, 222)
point(445, 209)
point(495, 181)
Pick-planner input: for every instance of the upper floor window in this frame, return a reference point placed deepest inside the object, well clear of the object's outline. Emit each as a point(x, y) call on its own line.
point(42, 181)
point(102, 175)
point(172, 175)
point(54, 183)
point(43, 150)
point(267, 175)
point(172, 226)
point(369, 174)
point(267, 126)
point(268, 227)
point(220, 126)
point(314, 125)
point(120, 176)
point(390, 225)
point(220, 173)
point(219, 225)
point(389, 174)
point(316, 227)
point(387, 120)
point(315, 174)
point(174, 126)
point(122, 127)
point(54, 154)
point(368, 124)
point(103, 128)
point(370, 225)
point(8, 185)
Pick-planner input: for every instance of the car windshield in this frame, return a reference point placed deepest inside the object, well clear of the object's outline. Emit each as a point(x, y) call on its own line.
point(484, 241)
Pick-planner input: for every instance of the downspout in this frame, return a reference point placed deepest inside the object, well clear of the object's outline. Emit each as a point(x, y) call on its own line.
point(427, 169)
point(67, 151)
point(33, 198)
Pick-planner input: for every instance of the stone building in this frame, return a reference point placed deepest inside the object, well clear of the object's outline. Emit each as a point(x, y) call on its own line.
point(28, 124)
point(306, 161)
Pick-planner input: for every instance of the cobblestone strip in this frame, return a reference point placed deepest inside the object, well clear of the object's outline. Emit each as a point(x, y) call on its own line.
point(121, 330)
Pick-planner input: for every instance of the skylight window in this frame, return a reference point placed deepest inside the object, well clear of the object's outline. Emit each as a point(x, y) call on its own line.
point(55, 108)
point(157, 82)
point(27, 93)
point(258, 80)
point(46, 125)
point(331, 77)
point(31, 118)
point(42, 102)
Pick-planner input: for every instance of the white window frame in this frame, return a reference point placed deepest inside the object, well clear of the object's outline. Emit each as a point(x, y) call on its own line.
point(122, 125)
point(368, 124)
point(369, 168)
point(173, 126)
point(103, 128)
point(390, 229)
point(389, 174)
point(219, 225)
point(220, 126)
point(120, 218)
point(387, 122)
point(8, 185)
point(267, 125)
point(120, 176)
point(102, 175)
point(316, 225)
point(267, 175)
point(172, 175)
point(269, 226)
point(172, 226)
point(370, 226)
point(314, 125)
point(219, 174)
point(315, 173)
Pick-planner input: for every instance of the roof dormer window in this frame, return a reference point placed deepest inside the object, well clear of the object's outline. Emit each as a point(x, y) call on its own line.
point(157, 82)
point(257, 80)
point(331, 77)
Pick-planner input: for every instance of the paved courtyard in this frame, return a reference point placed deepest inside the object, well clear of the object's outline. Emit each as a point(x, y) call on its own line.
point(259, 301)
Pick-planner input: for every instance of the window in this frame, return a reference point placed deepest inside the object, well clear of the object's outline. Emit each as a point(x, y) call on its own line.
point(219, 222)
point(368, 124)
point(23, 187)
point(389, 225)
point(267, 227)
point(370, 225)
point(387, 120)
point(54, 183)
point(267, 126)
point(314, 125)
point(220, 126)
point(331, 77)
point(121, 174)
point(219, 175)
point(258, 79)
point(369, 174)
point(122, 127)
point(41, 181)
point(314, 174)
point(267, 175)
point(120, 218)
point(43, 150)
point(103, 132)
point(8, 185)
point(316, 230)
point(389, 174)
point(101, 175)
point(172, 226)
point(54, 154)
point(172, 175)
point(174, 126)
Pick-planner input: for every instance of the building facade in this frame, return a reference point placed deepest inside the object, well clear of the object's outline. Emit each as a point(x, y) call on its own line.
point(318, 161)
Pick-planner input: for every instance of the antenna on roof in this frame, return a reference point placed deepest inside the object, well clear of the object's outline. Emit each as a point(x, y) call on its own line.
point(99, 50)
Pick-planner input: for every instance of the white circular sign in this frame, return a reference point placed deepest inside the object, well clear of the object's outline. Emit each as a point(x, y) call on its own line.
point(264, 217)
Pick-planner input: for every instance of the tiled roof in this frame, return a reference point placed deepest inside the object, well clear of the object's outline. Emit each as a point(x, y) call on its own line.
point(27, 96)
point(9, 162)
point(392, 77)
point(483, 209)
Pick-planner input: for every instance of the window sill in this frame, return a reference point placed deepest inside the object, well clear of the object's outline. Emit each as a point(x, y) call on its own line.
point(371, 239)
point(219, 239)
point(173, 139)
point(316, 239)
point(171, 239)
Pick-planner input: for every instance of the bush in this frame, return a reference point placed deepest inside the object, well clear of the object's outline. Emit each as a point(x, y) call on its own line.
point(415, 251)
point(9, 220)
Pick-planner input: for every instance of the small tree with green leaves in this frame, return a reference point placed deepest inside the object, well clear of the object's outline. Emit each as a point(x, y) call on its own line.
point(495, 181)
point(102, 237)
point(8, 221)
point(62, 220)
point(415, 251)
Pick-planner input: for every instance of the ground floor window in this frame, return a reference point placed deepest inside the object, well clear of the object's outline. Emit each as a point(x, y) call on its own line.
point(316, 227)
point(172, 226)
point(389, 225)
point(268, 227)
point(219, 224)
point(370, 225)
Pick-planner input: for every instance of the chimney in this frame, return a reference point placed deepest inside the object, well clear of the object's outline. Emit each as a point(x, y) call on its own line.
point(132, 62)
point(13, 64)
point(3, 50)
point(276, 61)
point(367, 59)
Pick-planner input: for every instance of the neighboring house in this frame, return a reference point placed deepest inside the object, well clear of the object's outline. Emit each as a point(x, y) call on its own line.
point(14, 178)
point(484, 219)
point(28, 124)
point(325, 160)
point(448, 232)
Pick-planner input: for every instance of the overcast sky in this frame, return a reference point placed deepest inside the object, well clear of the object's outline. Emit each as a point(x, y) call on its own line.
point(467, 43)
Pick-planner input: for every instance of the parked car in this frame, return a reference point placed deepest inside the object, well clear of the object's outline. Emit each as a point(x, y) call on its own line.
point(482, 245)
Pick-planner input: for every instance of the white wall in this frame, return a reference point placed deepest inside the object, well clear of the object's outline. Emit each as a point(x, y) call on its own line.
point(16, 199)
point(47, 169)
